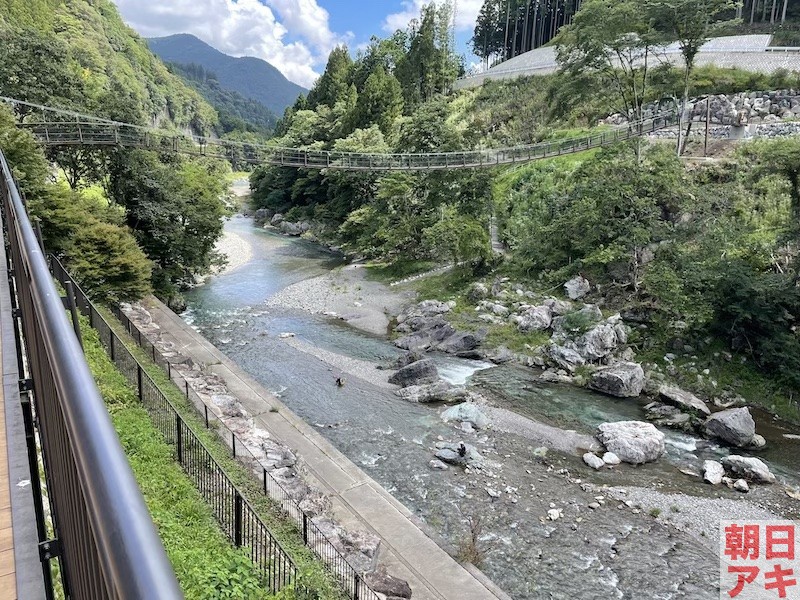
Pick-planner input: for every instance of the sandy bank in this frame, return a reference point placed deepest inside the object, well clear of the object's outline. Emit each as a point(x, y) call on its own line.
point(347, 294)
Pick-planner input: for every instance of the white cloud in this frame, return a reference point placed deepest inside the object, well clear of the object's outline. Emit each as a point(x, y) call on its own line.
point(245, 28)
point(466, 14)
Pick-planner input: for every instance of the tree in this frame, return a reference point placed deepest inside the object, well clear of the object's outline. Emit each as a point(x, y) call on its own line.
point(380, 102)
point(460, 238)
point(334, 83)
point(615, 39)
point(690, 23)
point(781, 158)
point(107, 262)
point(175, 213)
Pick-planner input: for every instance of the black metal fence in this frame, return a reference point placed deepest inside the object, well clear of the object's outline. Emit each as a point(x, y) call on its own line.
point(233, 512)
point(102, 533)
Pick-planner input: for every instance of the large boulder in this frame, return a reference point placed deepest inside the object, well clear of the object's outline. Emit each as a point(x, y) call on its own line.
point(713, 472)
point(751, 468)
point(383, 583)
point(564, 357)
point(466, 411)
point(441, 391)
point(624, 380)
point(417, 373)
point(458, 453)
point(577, 288)
point(536, 318)
point(683, 399)
point(734, 426)
point(633, 442)
point(600, 341)
point(559, 307)
point(434, 331)
point(460, 342)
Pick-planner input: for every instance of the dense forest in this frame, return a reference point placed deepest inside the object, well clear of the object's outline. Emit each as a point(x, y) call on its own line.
point(507, 28)
point(707, 255)
point(127, 221)
point(236, 113)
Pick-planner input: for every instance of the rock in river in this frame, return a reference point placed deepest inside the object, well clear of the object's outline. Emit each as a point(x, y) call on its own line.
point(748, 467)
point(451, 453)
point(734, 426)
point(713, 472)
point(682, 399)
point(625, 380)
point(417, 373)
point(593, 460)
point(441, 391)
point(633, 442)
point(466, 412)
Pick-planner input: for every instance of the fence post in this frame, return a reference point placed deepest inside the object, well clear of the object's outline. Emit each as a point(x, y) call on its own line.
point(154, 353)
point(187, 397)
point(237, 520)
point(73, 310)
point(233, 443)
point(305, 528)
point(265, 480)
point(178, 438)
point(111, 345)
point(205, 406)
point(139, 381)
point(356, 586)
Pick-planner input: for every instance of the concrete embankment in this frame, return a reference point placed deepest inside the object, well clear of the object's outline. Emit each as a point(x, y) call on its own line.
point(358, 501)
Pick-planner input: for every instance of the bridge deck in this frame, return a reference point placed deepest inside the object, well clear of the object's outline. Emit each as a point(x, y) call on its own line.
point(8, 577)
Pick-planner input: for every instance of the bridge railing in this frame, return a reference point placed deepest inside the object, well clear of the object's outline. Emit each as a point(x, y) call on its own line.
point(237, 517)
point(102, 533)
point(102, 133)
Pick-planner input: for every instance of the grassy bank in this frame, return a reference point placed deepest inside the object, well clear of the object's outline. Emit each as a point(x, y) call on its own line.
point(206, 564)
point(311, 573)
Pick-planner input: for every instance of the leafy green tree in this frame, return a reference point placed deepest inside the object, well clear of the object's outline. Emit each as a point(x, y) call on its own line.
point(458, 237)
point(691, 23)
point(106, 261)
point(380, 102)
point(613, 38)
point(781, 158)
point(334, 83)
point(175, 212)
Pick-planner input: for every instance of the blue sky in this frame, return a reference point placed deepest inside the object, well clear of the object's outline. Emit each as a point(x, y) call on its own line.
point(294, 35)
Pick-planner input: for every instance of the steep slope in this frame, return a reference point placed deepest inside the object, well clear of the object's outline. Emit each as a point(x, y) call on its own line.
point(251, 77)
point(236, 113)
point(81, 54)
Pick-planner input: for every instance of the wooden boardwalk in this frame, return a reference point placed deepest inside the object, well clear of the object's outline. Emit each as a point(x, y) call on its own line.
point(8, 575)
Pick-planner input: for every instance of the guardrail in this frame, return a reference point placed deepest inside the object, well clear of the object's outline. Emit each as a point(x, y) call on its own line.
point(103, 536)
point(72, 129)
point(231, 509)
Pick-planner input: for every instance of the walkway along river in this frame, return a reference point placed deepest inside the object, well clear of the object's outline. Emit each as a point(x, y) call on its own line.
point(630, 532)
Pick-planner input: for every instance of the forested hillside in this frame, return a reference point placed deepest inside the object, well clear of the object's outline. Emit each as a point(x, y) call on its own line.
point(125, 220)
point(702, 257)
point(236, 113)
point(250, 77)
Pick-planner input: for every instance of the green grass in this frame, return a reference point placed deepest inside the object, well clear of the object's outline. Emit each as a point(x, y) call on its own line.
point(310, 571)
point(390, 272)
point(205, 563)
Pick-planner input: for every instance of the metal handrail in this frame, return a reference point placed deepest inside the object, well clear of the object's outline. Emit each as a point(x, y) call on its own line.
point(110, 548)
point(67, 128)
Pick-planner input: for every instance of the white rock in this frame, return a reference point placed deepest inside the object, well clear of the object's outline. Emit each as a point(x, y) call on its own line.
point(554, 514)
point(577, 288)
point(468, 412)
point(633, 442)
point(749, 467)
point(284, 336)
point(611, 459)
point(713, 472)
point(593, 461)
point(740, 485)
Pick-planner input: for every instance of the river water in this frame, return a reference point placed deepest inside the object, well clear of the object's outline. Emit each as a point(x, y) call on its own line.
point(604, 553)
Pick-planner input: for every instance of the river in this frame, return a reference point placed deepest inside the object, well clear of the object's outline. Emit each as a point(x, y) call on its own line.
point(587, 553)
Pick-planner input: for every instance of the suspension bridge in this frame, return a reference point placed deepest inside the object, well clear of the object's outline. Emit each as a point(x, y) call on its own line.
point(56, 127)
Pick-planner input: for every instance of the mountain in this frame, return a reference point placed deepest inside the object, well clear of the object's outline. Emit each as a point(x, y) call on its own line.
point(251, 77)
point(81, 55)
point(236, 113)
